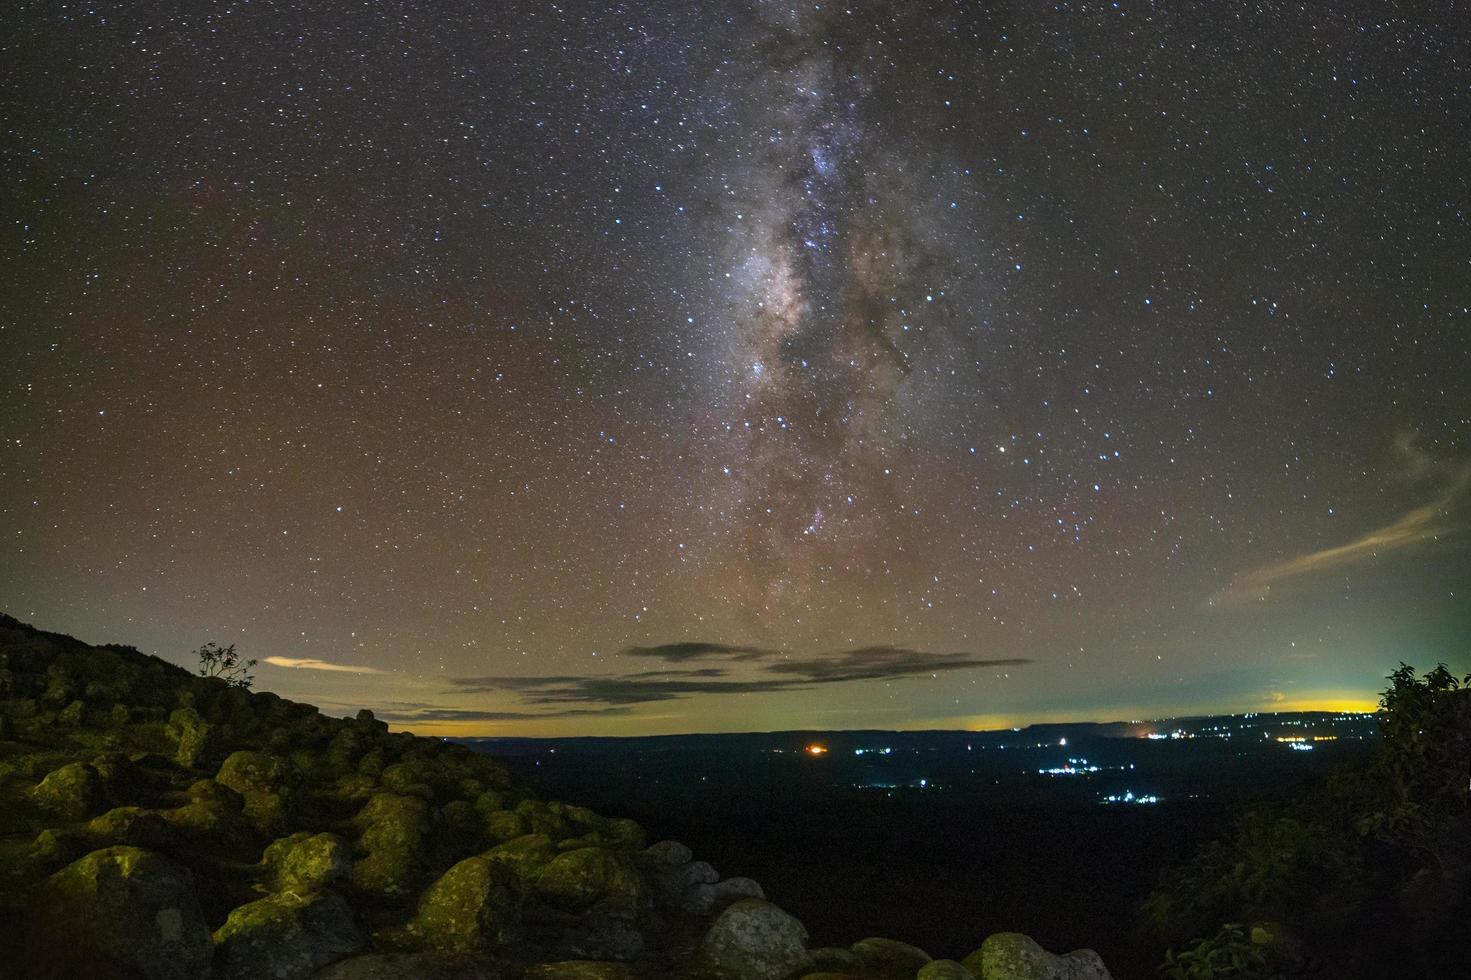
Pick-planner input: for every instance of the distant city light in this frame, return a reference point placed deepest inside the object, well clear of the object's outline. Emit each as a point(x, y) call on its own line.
point(1128, 797)
point(815, 749)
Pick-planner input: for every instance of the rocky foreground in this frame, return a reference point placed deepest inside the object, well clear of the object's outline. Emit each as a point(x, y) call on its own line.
point(160, 825)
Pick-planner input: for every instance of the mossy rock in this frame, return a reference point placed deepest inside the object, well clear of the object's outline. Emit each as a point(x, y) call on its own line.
point(267, 784)
point(131, 825)
point(395, 836)
point(72, 792)
point(581, 970)
point(286, 935)
point(889, 959)
point(506, 825)
point(525, 856)
point(461, 830)
point(472, 906)
point(129, 907)
point(60, 845)
point(73, 714)
point(944, 970)
point(542, 819)
point(1014, 956)
point(198, 743)
point(577, 880)
point(431, 965)
point(307, 861)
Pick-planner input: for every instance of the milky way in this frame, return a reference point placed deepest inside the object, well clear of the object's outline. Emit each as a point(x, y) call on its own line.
point(913, 363)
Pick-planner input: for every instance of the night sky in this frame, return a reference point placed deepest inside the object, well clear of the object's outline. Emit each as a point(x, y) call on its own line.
point(519, 367)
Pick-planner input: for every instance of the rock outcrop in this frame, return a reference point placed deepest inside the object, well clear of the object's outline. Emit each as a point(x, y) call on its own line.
point(159, 825)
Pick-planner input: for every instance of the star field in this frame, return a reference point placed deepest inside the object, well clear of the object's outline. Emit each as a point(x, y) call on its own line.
point(912, 364)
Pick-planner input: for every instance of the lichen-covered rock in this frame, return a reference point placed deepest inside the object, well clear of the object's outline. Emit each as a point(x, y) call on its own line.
point(306, 860)
point(433, 965)
point(506, 825)
point(472, 906)
point(72, 714)
point(60, 845)
point(131, 825)
point(72, 792)
point(266, 783)
point(708, 898)
point(285, 936)
point(581, 970)
point(944, 970)
point(576, 880)
point(835, 959)
point(525, 856)
point(543, 819)
point(1013, 956)
point(889, 959)
point(197, 742)
point(395, 834)
point(132, 907)
point(755, 940)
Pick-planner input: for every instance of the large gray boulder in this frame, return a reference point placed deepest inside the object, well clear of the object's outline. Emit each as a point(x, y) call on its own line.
point(755, 940)
point(132, 907)
point(286, 936)
point(707, 898)
point(1013, 956)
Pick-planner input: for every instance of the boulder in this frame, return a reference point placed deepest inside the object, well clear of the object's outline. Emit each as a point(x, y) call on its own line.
point(131, 825)
point(395, 835)
point(1013, 956)
point(669, 884)
point(666, 855)
point(833, 959)
point(707, 898)
point(408, 966)
point(285, 936)
point(306, 860)
point(197, 743)
point(755, 940)
point(944, 970)
point(132, 907)
point(576, 880)
point(525, 856)
point(506, 825)
point(889, 959)
point(72, 792)
point(580, 970)
point(607, 931)
point(266, 783)
point(473, 905)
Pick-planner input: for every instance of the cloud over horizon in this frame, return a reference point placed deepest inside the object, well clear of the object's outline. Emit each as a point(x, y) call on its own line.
point(1428, 523)
point(781, 674)
point(308, 663)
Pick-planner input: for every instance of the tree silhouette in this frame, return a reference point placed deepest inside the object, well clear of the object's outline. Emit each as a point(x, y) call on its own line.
point(225, 663)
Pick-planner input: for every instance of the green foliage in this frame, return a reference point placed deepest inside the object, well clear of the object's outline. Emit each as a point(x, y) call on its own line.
point(1422, 777)
point(1231, 954)
point(225, 663)
point(1338, 854)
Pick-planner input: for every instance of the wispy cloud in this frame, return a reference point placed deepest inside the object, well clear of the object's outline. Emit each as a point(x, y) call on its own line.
point(428, 714)
point(677, 653)
point(310, 664)
point(1429, 523)
point(775, 673)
